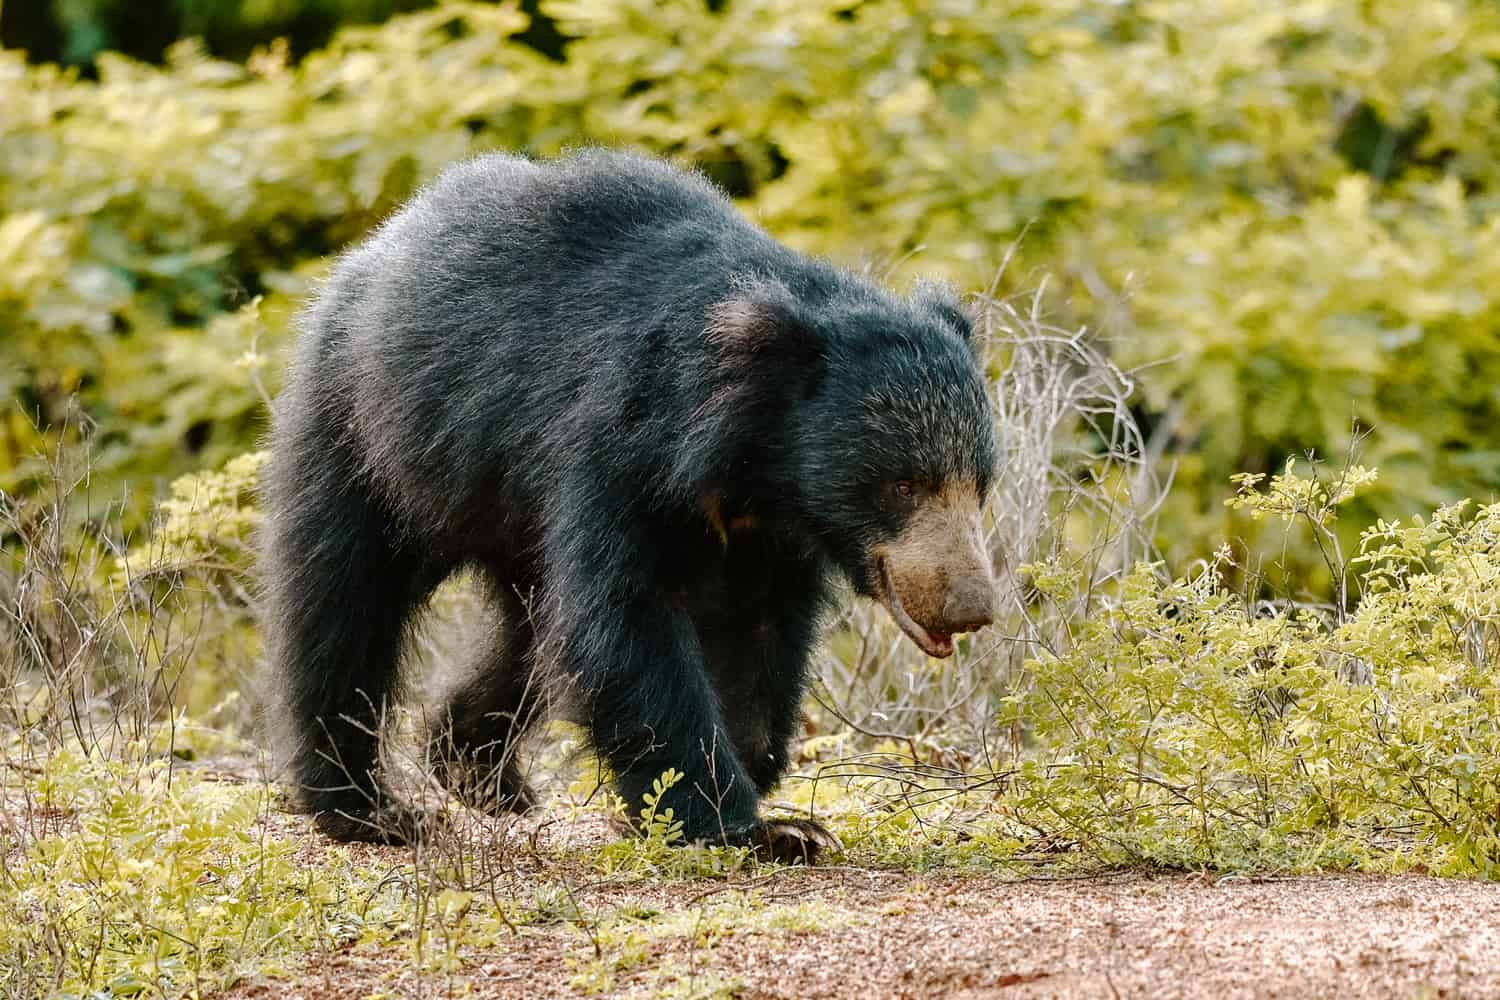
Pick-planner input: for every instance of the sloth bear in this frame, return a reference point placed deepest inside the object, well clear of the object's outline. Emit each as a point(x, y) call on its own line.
point(658, 436)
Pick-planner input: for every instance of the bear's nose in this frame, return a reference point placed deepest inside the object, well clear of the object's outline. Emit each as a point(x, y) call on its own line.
point(968, 606)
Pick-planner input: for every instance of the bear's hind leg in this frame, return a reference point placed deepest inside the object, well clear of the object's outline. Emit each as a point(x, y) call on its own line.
point(474, 745)
point(339, 595)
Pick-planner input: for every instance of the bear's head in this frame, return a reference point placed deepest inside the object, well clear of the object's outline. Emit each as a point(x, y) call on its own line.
point(888, 441)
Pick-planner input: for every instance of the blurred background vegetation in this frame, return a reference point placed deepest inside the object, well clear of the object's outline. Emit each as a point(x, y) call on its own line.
point(1280, 215)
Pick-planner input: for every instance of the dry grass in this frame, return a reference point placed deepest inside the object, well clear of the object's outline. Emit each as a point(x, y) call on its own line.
point(1074, 465)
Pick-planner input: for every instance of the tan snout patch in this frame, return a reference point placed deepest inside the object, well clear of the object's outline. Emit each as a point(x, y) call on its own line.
point(935, 577)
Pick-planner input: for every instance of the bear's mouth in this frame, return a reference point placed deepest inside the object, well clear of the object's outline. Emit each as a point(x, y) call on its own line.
point(935, 644)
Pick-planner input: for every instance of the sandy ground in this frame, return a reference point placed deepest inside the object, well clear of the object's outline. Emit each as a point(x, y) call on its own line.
point(868, 933)
point(906, 935)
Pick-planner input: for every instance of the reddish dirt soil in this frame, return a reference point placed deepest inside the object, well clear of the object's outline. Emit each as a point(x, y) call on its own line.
point(1127, 935)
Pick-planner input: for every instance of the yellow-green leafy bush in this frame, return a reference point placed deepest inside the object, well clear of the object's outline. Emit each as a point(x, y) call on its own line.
point(125, 880)
point(1294, 199)
point(207, 524)
point(1182, 725)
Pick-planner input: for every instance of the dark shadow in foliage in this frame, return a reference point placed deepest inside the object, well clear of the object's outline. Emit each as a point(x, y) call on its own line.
point(75, 33)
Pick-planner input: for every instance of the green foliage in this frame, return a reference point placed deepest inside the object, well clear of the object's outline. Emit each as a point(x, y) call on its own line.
point(206, 524)
point(160, 885)
point(1205, 158)
point(658, 823)
point(99, 641)
point(657, 850)
point(1183, 726)
point(171, 193)
point(1284, 212)
point(76, 31)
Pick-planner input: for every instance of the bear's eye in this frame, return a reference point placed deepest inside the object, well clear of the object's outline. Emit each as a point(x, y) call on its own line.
point(904, 489)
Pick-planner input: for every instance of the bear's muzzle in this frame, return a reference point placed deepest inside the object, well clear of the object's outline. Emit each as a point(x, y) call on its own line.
point(935, 578)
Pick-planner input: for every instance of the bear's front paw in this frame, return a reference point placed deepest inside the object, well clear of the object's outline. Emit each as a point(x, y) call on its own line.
point(792, 841)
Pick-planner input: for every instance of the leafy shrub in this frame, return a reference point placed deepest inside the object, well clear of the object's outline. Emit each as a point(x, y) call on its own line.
point(207, 524)
point(1184, 725)
point(1284, 218)
point(125, 880)
point(100, 641)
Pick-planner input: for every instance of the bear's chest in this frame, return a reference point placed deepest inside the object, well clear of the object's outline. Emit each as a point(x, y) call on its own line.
point(721, 579)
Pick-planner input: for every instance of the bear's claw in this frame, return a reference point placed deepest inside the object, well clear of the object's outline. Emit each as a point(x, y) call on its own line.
point(792, 841)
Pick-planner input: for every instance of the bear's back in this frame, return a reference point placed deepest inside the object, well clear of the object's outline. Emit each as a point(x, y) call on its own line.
point(594, 207)
point(513, 308)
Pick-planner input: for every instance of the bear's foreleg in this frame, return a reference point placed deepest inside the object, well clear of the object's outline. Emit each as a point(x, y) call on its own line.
point(650, 707)
point(645, 691)
point(757, 648)
point(633, 654)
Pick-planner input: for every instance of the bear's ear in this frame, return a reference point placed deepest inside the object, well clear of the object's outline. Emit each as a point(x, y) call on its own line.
point(761, 319)
point(938, 298)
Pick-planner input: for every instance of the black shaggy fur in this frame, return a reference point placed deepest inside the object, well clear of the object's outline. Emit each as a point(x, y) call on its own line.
point(654, 430)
